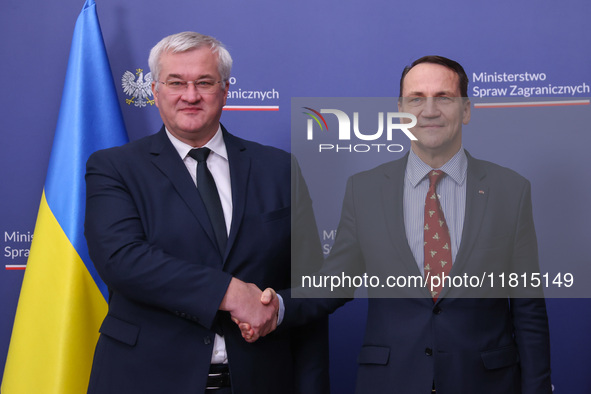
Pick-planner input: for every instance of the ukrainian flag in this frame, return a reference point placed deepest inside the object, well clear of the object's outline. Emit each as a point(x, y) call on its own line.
point(63, 300)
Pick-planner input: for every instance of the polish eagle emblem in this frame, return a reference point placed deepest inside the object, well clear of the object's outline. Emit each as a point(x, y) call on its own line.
point(138, 86)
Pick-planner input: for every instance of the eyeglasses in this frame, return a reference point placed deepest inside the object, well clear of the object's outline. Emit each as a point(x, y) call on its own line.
point(204, 86)
point(421, 101)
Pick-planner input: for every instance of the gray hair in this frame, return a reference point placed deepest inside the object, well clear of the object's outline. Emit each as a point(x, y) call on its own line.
point(187, 41)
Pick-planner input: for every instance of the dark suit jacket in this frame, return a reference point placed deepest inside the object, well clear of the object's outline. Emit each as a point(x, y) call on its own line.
point(483, 340)
point(151, 242)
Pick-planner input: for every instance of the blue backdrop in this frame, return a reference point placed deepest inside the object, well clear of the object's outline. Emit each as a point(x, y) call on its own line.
point(328, 48)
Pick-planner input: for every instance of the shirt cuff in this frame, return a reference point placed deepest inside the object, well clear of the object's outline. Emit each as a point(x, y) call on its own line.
point(281, 310)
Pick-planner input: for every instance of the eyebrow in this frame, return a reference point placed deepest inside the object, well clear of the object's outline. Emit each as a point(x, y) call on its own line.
point(438, 94)
point(206, 76)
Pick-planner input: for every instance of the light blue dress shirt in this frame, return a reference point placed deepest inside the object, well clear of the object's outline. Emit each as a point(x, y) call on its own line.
point(451, 191)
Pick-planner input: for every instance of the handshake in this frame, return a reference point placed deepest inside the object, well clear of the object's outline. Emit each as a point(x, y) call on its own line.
point(254, 311)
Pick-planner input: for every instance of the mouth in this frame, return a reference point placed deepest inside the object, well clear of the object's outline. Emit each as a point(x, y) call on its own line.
point(190, 110)
point(430, 126)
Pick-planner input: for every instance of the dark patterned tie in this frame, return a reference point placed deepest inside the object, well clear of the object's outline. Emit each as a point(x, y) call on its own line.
point(437, 241)
point(211, 198)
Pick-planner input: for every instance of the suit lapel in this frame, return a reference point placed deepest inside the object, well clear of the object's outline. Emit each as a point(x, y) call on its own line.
point(167, 160)
point(393, 201)
point(239, 161)
point(477, 191)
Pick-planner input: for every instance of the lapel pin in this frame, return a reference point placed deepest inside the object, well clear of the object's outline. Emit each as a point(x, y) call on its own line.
point(480, 191)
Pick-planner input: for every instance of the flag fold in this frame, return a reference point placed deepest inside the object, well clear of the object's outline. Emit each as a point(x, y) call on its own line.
point(63, 301)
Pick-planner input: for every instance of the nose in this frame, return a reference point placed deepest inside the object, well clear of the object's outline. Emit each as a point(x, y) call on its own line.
point(191, 94)
point(430, 109)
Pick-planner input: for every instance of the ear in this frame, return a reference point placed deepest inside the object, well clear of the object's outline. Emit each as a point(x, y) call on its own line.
point(226, 89)
point(155, 93)
point(467, 111)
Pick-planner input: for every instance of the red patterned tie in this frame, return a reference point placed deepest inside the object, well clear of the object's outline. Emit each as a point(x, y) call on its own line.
point(436, 237)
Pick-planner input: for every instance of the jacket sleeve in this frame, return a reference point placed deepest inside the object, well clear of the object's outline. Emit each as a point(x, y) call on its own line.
point(306, 302)
point(528, 307)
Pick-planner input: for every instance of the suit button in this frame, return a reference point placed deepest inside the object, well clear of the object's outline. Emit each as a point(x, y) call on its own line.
point(206, 340)
point(437, 310)
point(428, 351)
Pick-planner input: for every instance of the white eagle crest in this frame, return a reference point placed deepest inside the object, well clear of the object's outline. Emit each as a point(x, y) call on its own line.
point(138, 88)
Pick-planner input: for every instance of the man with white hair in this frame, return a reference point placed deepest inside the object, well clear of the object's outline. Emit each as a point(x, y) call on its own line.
point(186, 227)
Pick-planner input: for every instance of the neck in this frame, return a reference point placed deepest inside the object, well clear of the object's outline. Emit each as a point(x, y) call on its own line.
point(195, 140)
point(434, 159)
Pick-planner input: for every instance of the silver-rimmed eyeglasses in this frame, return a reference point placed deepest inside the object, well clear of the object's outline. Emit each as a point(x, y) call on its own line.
point(204, 86)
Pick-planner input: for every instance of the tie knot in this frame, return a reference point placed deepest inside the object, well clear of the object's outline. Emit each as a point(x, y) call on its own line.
point(199, 154)
point(435, 176)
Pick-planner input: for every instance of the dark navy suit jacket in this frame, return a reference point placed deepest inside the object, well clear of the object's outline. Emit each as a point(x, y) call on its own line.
point(151, 242)
point(472, 340)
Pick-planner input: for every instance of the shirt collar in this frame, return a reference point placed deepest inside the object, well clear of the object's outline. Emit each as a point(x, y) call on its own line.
point(456, 168)
point(216, 144)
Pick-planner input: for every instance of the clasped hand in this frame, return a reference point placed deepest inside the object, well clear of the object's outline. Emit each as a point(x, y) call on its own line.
point(253, 310)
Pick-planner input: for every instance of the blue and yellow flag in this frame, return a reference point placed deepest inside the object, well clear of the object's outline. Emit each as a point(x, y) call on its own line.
point(63, 301)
